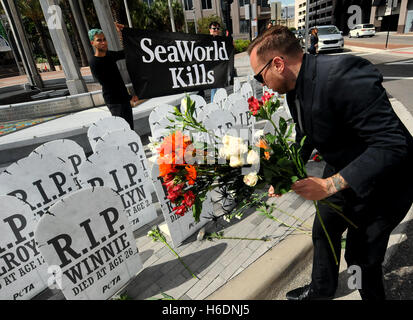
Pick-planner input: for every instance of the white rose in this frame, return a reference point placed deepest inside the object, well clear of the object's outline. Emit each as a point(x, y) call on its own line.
point(253, 157)
point(184, 104)
point(226, 140)
point(251, 179)
point(223, 153)
point(235, 161)
point(237, 148)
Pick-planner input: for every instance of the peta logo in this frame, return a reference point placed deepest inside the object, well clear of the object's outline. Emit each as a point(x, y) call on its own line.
point(55, 17)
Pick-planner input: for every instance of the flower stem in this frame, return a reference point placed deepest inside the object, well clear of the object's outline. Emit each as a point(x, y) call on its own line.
point(180, 260)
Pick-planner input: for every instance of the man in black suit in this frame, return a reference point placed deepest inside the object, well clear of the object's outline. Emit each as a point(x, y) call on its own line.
point(340, 105)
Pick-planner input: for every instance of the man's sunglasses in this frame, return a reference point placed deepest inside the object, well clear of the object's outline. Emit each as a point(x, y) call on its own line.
point(215, 29)
point(258, 76)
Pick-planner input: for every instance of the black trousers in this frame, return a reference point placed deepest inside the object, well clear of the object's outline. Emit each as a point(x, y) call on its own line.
point(365, 245)
point(123, 110)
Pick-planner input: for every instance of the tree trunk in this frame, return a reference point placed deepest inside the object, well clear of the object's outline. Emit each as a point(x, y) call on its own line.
point(44, 44)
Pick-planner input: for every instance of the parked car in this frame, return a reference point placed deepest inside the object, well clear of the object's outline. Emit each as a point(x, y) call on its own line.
point(329, 38)
point(361, 30)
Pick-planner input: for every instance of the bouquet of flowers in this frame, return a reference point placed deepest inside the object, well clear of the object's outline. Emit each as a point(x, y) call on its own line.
point(191, 168)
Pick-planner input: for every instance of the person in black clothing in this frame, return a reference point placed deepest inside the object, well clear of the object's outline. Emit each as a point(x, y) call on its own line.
point(339, 104)
point(313, 41)
point(105, 70)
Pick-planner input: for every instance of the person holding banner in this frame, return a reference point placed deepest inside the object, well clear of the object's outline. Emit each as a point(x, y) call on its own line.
point(214, 30)
point(105, 70)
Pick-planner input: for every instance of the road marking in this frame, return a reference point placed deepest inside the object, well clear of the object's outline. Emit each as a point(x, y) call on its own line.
point(397, 78)
point(401, 62)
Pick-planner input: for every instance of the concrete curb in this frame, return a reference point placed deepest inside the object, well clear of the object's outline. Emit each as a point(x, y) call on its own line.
point(269, 272)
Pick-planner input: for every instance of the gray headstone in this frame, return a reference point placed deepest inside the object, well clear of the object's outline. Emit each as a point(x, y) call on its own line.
point(67, 150)
point(219, 122)
point(23, 271)
point(98, 129)
point(125, 138)
point(158, 121)
point(89, 242)
point(241, 112)
point(39, 181)
point(180, 227)
point(120, 169)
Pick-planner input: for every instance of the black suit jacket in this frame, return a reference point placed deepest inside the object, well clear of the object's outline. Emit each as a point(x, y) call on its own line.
point(347, 117)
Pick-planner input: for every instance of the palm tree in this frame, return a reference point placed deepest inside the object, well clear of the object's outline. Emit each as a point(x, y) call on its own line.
point(32, 10)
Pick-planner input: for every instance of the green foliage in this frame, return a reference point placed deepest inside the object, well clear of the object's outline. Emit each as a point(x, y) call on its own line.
point(241, 45)
point(156, 16)
point(203, 24)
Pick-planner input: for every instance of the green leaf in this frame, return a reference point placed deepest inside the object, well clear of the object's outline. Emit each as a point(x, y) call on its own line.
point(282, 125)
point(294, 179)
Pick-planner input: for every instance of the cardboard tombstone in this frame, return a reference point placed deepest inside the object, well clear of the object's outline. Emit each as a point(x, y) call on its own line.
point(87, 240)
point(219, 122)
point(237, 85)
point(118, 168)
point(242, 114)
point(38, 181)
point(180, 227)
point(23, 271)
point(220, 96)
point(246, 90)
point(66, 150)
point(125, 138)
point(158, 121)
point(98, 129)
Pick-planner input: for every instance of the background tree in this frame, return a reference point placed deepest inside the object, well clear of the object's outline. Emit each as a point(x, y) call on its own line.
point(32, 10)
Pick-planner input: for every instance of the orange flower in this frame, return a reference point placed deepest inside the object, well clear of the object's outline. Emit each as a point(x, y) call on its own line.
point(165, 169)
point(262, 144)
point(267, 155)
point(191, 174)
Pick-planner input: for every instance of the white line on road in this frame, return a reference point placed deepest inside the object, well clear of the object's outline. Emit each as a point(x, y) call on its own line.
point(398, 78)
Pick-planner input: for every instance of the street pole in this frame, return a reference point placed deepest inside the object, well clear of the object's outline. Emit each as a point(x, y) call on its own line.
point(183, 11)
point(388, 28)
point(171, 13)
point(127, 13)
point(306, 25)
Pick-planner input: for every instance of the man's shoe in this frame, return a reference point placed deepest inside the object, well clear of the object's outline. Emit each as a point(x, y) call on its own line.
point(306, 293)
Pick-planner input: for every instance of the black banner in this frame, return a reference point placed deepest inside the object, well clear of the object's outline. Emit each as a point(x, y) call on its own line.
point(165, 63)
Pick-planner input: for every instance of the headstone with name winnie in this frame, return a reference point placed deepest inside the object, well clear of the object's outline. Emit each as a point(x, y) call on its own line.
point(23, 271)
point(118, 168)
point(68, 151)
point(89, 242)
point(180, 227)
point(98, 129)
point(38, 181)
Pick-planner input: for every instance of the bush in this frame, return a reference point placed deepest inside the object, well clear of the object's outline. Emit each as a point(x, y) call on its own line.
point(241, 45)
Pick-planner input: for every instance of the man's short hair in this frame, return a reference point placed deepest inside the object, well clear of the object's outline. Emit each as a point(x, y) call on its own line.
point(214, 24)
point(93, 32)
point(277, 38)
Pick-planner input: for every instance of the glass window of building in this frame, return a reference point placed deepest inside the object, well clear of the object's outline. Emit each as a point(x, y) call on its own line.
point(206, 4)
point(188, 4)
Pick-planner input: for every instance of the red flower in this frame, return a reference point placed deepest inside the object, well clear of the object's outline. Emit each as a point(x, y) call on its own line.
point(180, 210)
point(189, 198)
point(254, 105)
point(175, 191)
point(266, 97)
point(317, 157)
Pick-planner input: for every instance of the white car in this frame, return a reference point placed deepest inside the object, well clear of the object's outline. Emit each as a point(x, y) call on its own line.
point(329, 38)
point(362, 30)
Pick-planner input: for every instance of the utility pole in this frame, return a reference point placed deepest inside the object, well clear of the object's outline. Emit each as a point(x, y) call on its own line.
point(171, 14)
point(391, 12)
point(306, 25)
point(128, 13)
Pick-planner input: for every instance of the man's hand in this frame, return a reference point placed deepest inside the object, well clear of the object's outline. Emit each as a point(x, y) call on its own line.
point(134, 101)
point(313, 188)
point(119, 27)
